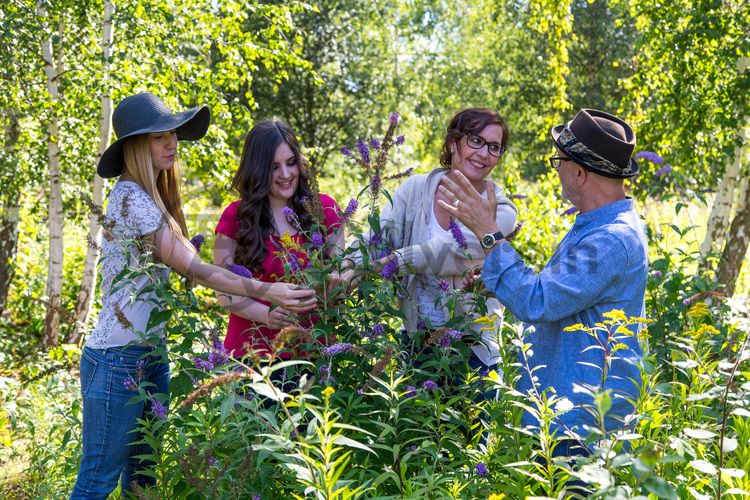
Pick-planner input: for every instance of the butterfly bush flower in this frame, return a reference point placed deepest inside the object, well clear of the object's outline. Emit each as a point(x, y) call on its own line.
point(158, 409)
point(256, 497)
point(346, 152)
point(481, 470)
point(377, 330)
point(375, 184)
point(374, 143)
point(444, 285)
point(429, 386)
point(656, 274)
point(317, 240)
point(202, 364)
point(295, 264)
point(364, 151)
point(458, 235)
point(570, 211)
point(421, 325)
point(411, 391)
point(291, 217)
point(325, 374)
point(389, 271)
point(130, 384)
point(650, 156)
point(240, 270)
point(351, 208)
point(666, 169)
point(376, 239)
point(394, 118)
point(336, 349)
point(400, 140)
point(448, 337)
point(197, 242)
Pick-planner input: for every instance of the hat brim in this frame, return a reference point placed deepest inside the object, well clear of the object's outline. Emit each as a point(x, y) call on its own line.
point(555, 133)
point(190, 125)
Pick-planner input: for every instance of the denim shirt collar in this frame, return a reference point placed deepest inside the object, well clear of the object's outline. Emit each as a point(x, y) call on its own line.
point(604, 213)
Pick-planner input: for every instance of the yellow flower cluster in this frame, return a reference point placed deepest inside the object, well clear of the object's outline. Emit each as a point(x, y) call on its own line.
point(288, 243)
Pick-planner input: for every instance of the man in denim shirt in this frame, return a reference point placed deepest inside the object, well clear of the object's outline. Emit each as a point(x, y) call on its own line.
point(599, 266)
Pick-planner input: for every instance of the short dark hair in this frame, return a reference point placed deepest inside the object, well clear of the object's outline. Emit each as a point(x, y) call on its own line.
point(470, 121)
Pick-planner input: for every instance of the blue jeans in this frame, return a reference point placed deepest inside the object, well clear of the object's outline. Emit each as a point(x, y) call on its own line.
point(109, 418)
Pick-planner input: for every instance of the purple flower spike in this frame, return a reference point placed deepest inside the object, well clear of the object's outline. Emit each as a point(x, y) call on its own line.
point(481, 470)
point(346, 152)
point(429, 386)
point(375, 184)
point(130, 384)
point(411, 391)
point(421, 325)
point(240, 270)
point(376, 238)
point(570, 211)
point(374, 143)
point(390, 269)
point(394, 118)
point(325, 373)
point(458, 235)
point(317, 240)
point(217, 358)
point(197, 241)
point(656, 274)
point(444, 285)
point(256, 497)
point(158, 409)
point(202, 364)
point(351, 208)
point(336, 349)
point(295, 264)
point(650, 156)
point(364, 151)
point(400, 140)
point(377, 330)
point(666, 169)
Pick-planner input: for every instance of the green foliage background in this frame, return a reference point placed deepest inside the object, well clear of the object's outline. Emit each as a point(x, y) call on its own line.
point(333, 70)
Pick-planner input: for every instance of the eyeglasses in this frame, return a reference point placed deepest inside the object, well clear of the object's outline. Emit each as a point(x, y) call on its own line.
point(493, 148)
point(554, 161)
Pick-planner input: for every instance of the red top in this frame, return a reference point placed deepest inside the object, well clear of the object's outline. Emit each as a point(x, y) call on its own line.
point(258, 335)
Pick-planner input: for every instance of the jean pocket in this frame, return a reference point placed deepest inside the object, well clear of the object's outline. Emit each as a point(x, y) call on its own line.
point(88, 371)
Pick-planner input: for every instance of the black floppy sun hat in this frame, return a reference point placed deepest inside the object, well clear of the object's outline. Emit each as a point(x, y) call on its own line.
point(145, 113)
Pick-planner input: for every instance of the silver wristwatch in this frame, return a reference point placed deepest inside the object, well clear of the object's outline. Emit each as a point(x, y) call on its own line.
point(489, 240)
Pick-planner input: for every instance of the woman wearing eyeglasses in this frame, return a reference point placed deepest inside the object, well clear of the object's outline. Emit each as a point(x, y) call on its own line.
point(431, 261)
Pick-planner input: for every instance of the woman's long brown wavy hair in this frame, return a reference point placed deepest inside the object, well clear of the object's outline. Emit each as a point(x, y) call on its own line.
point(253, 182)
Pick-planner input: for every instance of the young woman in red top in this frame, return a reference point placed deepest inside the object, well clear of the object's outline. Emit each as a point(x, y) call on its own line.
point(272, 179)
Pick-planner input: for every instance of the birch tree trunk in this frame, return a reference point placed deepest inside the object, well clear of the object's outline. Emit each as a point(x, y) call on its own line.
point(736, 248)
point(721, 211)
point(9, 214)
point(88, 281)
point(55, 217)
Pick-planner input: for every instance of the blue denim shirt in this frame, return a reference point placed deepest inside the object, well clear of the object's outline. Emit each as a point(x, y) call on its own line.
point(600, 265)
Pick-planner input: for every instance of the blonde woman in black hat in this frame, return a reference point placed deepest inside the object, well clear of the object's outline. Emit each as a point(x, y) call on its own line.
point(143, 212)
point(601, 265)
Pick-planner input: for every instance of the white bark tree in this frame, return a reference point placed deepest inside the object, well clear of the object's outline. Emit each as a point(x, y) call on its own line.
point(52, 71)
point(88, 281)
point(727, 194)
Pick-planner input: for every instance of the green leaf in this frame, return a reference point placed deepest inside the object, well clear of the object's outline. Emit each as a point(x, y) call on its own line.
point(660, 488)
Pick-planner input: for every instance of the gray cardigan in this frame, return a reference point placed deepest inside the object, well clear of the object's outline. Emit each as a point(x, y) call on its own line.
point(407, 221)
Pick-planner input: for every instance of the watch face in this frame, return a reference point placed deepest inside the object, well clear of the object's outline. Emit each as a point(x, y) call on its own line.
point(488, 240)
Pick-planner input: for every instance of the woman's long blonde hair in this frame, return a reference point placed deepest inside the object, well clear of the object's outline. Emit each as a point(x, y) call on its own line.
point(164, 189)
